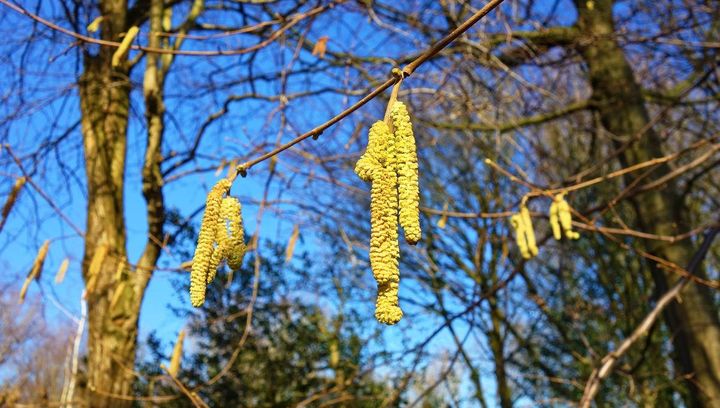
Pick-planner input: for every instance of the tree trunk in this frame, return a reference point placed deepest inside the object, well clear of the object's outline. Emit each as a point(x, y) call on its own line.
point(694, 321)
point(114, 290)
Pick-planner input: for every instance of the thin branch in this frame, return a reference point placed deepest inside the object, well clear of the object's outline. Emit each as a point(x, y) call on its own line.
point(610, 360)
point(394, 78)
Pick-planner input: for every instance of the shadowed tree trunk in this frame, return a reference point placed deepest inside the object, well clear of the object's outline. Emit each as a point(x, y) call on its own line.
point(694, 321)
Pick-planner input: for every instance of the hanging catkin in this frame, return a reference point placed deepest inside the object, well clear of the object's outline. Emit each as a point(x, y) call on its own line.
point(378, 165)
point(555, 220)
point(529, 231)
point(10, 202)
point(524, 233)
point(235, 252)
point(373, 155)
point(517, 223)
point(563, 209)
point(204, 250)
point(407, 170)
point(36, 270)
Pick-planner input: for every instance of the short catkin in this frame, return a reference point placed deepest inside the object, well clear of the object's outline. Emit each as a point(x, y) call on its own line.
point(407, 170)
point(517, 223)
point(555, 221)
point(204, 250)
point(232, 211)
point(529, 231)
point(565, 216)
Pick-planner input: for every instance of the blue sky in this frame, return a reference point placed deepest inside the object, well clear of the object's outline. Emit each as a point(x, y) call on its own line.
point(248, 123)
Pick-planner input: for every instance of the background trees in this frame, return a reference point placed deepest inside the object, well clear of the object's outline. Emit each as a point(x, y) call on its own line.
point(555, 93)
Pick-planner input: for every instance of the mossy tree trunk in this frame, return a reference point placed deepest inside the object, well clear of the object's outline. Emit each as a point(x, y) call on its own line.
point(694, 321)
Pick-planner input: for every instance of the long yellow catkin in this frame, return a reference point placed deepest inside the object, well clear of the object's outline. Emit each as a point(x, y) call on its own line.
point(174, 368)
point(529, 231)
point(565, 217)
point(407, 170)
point(206, 237)
point(378, 165)
point(36, 270)
point(10, 202)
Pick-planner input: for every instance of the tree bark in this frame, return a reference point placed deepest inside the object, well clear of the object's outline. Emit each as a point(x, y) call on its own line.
point(618, 99)
point(114, 290)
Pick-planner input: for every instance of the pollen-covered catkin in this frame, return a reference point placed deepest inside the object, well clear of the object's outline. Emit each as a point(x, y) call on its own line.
point(517, 222)
point(387, 310)
point(232, 211)
point(379, 165)
point(566, 217)
point(374, 155)
point(206, 237)
point(384, 249)
point(555, 221)
point(529, 231)
point(407, 170)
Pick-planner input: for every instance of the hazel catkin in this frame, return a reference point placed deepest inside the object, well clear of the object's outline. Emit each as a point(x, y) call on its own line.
point(204, 250)
point(519, 226)
point(565, 217)
point(384, 249)
point(387, 310)
point(529, 231)
point(373, 156)
point(407, 171)
point(235, 252)
point(379, 165)
point(555, 221)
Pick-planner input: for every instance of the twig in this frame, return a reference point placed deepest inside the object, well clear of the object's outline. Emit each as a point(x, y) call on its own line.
point(292, 21)
point(193, 397)
point(610, 360)
point(406, 71)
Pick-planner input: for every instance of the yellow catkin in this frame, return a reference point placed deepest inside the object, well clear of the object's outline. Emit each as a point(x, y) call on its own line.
point(206, 237)
point(384, 249)
point(379, 165)
point(36, 270)
point(95, 24)
point(124, 46)
point(387, 310)
point(565, 217)
point(407, 170)
point(174, 367)
point(373, 155)
point(236, 243)
point(529, 231)
point(60, 275)
point(519, 226)
point(12, 198)
point(555, 221)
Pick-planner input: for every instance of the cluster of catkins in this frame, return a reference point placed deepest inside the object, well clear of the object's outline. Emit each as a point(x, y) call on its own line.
point(221, 238)
point(390, 164)
point(560, 222)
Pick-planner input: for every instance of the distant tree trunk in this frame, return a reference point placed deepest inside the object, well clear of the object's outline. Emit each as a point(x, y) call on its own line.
point(694, 321)
point(115, 290)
